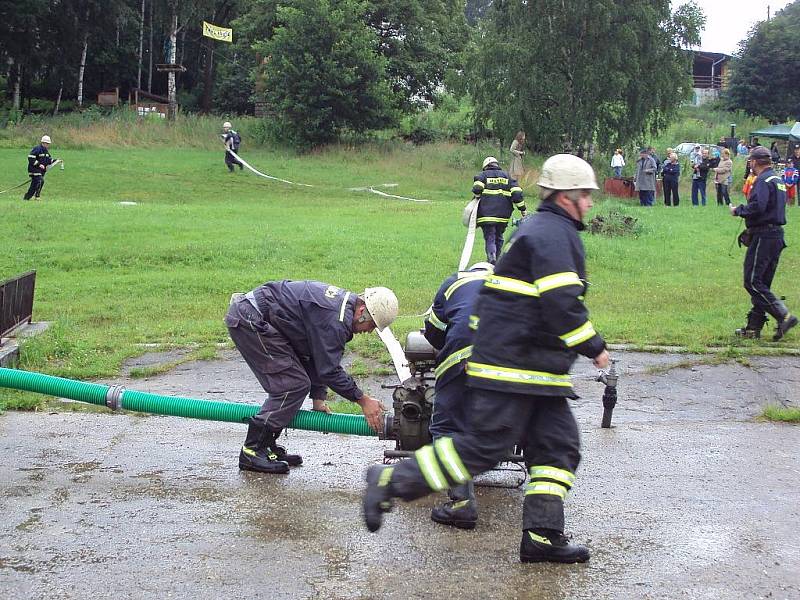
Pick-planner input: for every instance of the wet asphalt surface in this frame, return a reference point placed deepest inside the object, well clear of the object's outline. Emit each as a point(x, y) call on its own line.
point(687, 496)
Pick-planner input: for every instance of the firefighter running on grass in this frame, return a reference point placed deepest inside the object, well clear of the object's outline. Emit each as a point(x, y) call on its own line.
point(447, 329)
point(38, 160)
point(531, 325)
point(292, 335)
point(232, 141)
point(498, 194)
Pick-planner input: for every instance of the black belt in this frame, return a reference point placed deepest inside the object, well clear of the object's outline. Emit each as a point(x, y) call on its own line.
point(764, 228)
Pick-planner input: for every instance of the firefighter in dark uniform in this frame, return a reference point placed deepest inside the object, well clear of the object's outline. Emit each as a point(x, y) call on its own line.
point(38, 160)
point(765, 216)
point(498, 195)
point(447, 329)
point(531, 325)
point(292, 334)
point(232, 140)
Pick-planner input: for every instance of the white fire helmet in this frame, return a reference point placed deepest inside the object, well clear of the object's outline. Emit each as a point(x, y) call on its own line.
point(46, 139)
point(227, 124)
point(489, 160)
point(382, 306)
point(567, 172)
point(484, 266)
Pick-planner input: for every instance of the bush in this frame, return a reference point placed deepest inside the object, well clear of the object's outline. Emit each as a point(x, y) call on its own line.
point(615, 224)
point(449, 120)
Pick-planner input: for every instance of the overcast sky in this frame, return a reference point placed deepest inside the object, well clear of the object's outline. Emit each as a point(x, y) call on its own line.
point(728, 21)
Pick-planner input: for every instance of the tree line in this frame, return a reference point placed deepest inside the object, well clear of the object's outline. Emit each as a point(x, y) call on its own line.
point(576, 75)
point(765, 75)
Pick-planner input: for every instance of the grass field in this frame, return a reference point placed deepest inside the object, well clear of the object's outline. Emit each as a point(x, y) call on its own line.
point(112, 277)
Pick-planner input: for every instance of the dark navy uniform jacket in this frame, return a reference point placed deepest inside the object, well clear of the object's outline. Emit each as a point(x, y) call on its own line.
point(447, 327)
point(317, 319)
point(39, 156)
point(531, 319)
point(766, 204)
point(231, 137)
point(498, 192)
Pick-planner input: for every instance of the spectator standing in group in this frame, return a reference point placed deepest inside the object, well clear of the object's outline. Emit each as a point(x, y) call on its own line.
point(723, 176)
point(775, 154)
point(701, 166)
point(670, 173)
point(652, 152)
point(794, 159)
point(792, 178)
point(741, 149)
point(516, 170)
point(617, 162)
point(694, 155)
point(645, 178)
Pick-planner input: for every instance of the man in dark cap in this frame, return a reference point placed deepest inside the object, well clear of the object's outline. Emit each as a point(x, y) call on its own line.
point(645, 177)
point(765, 216)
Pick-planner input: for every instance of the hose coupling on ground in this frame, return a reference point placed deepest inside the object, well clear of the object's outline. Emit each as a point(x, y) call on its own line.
point(114, 397)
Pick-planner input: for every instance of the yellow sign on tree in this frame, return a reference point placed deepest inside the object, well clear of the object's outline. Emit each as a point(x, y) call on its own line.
point(218, 33)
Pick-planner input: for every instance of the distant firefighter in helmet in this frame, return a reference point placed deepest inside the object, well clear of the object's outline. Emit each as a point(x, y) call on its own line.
point(232, 141)
point(498, 194)
point(38, 160)
point(292, 334)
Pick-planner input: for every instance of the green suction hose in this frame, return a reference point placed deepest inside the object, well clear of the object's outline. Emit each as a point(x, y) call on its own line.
point(115, 397)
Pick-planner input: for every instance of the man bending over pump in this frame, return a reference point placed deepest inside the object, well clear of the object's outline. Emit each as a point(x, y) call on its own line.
point(292, 334)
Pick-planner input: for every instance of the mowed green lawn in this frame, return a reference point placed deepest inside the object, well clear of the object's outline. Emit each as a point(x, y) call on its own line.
point(113, 277)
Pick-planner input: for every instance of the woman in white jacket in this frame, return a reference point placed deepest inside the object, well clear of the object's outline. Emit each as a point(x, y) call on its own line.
point(617, 162)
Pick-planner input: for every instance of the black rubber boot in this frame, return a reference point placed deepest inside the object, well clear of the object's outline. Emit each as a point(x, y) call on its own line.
point(785, 325)
point(258, 453)
point(378, 495)
point(293, 460)
point(755, 323)
point(547, 545)
point(461, 511)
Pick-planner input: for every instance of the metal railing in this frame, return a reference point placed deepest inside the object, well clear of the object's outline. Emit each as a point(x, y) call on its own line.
point(16, 301)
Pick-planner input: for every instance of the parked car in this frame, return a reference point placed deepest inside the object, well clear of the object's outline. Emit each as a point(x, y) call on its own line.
point(685, 149)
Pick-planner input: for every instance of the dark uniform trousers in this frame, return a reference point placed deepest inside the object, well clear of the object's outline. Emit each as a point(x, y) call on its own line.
point(545, 428)
point(37, 183)
point(278, 368)
point(450, 408)
point(760, 264)
point(493, 240)
point(230, 161)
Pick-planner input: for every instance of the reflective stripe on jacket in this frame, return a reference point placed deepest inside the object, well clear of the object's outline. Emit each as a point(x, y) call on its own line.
point(447, 326)
point(36, 157)
point(530, 316)
point(499, 195)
